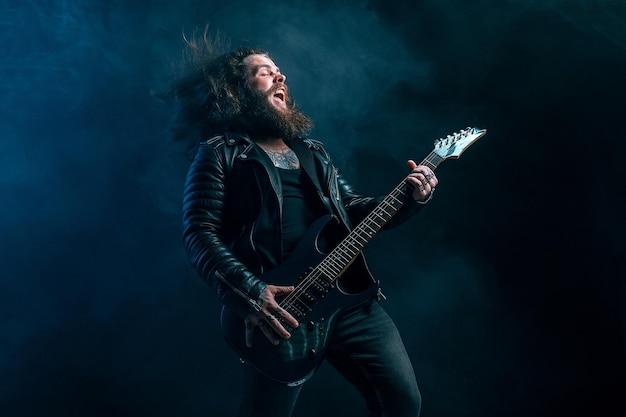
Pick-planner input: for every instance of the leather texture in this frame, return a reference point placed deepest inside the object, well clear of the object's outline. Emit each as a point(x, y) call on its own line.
point(232, 209)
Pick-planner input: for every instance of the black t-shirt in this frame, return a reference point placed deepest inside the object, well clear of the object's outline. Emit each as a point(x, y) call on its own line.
point(300, 206)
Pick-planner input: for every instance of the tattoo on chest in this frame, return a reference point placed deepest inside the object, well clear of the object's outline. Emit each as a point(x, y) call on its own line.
point(285, 158)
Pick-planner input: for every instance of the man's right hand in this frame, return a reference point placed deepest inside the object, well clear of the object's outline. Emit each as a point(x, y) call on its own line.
point(267, 319)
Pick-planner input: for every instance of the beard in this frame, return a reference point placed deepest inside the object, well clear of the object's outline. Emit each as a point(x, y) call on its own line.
point(263, 120)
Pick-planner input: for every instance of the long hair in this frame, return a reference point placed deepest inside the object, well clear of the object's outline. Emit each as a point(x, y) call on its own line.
point(209, 95)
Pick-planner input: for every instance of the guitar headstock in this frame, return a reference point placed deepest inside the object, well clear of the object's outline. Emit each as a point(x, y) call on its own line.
point(452, 146)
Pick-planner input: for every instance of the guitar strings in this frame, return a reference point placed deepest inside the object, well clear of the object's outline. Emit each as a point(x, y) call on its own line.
point(346, 247)
point(321, 270)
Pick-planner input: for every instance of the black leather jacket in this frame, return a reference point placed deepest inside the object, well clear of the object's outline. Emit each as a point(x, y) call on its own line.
point(232, 211)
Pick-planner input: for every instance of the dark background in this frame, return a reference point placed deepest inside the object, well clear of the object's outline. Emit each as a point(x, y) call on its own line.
point(509, 288)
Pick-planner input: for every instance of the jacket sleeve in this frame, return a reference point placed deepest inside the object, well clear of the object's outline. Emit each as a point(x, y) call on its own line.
point(203, 233)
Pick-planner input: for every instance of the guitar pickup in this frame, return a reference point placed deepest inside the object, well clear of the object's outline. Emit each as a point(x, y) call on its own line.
point(321, 287)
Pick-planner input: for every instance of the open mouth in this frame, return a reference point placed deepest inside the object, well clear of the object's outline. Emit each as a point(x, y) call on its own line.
point(280, 94)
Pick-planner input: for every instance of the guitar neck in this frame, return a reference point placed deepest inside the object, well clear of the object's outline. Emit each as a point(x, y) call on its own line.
point(321, 278)
point(344, 253)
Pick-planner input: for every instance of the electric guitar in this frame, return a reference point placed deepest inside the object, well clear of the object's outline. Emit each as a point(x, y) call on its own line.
point(321, 289)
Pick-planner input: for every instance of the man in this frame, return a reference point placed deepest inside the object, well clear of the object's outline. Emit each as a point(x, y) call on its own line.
point(254, 187)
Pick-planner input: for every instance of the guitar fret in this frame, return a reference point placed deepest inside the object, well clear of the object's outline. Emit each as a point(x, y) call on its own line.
point(348, 258)
point(338, 255)
point(381, 216)
point(366, 225)
point(395, 199)
point(432, 160)
point(330, 268)
point(353, 247)
point(362, 240)
point(332, 271)
point(389, 209)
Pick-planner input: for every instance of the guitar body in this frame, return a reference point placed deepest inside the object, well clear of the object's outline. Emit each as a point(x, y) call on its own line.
point(292, 361)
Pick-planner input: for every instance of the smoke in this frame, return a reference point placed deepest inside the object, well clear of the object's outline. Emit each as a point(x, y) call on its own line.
point(507, 287)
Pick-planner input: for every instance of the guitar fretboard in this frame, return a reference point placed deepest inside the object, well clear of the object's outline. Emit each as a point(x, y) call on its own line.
point(320, 279)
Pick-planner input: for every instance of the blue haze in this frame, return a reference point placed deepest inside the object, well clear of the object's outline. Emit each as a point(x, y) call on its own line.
point(508, 289)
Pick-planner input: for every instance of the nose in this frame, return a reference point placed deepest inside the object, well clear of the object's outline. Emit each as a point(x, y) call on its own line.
point(279, 78)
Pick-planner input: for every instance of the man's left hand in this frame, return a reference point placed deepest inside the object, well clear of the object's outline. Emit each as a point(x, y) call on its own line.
point(423, 179)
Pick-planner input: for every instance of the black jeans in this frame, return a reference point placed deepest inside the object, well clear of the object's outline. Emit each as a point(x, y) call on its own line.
point(367, 350)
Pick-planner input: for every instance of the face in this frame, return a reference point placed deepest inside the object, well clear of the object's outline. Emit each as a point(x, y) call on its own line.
point(264, 76)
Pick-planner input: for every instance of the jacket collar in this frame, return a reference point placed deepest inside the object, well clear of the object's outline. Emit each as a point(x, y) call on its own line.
point(252, 152)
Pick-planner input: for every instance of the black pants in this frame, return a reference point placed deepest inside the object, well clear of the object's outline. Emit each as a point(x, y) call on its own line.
point(367, 350)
